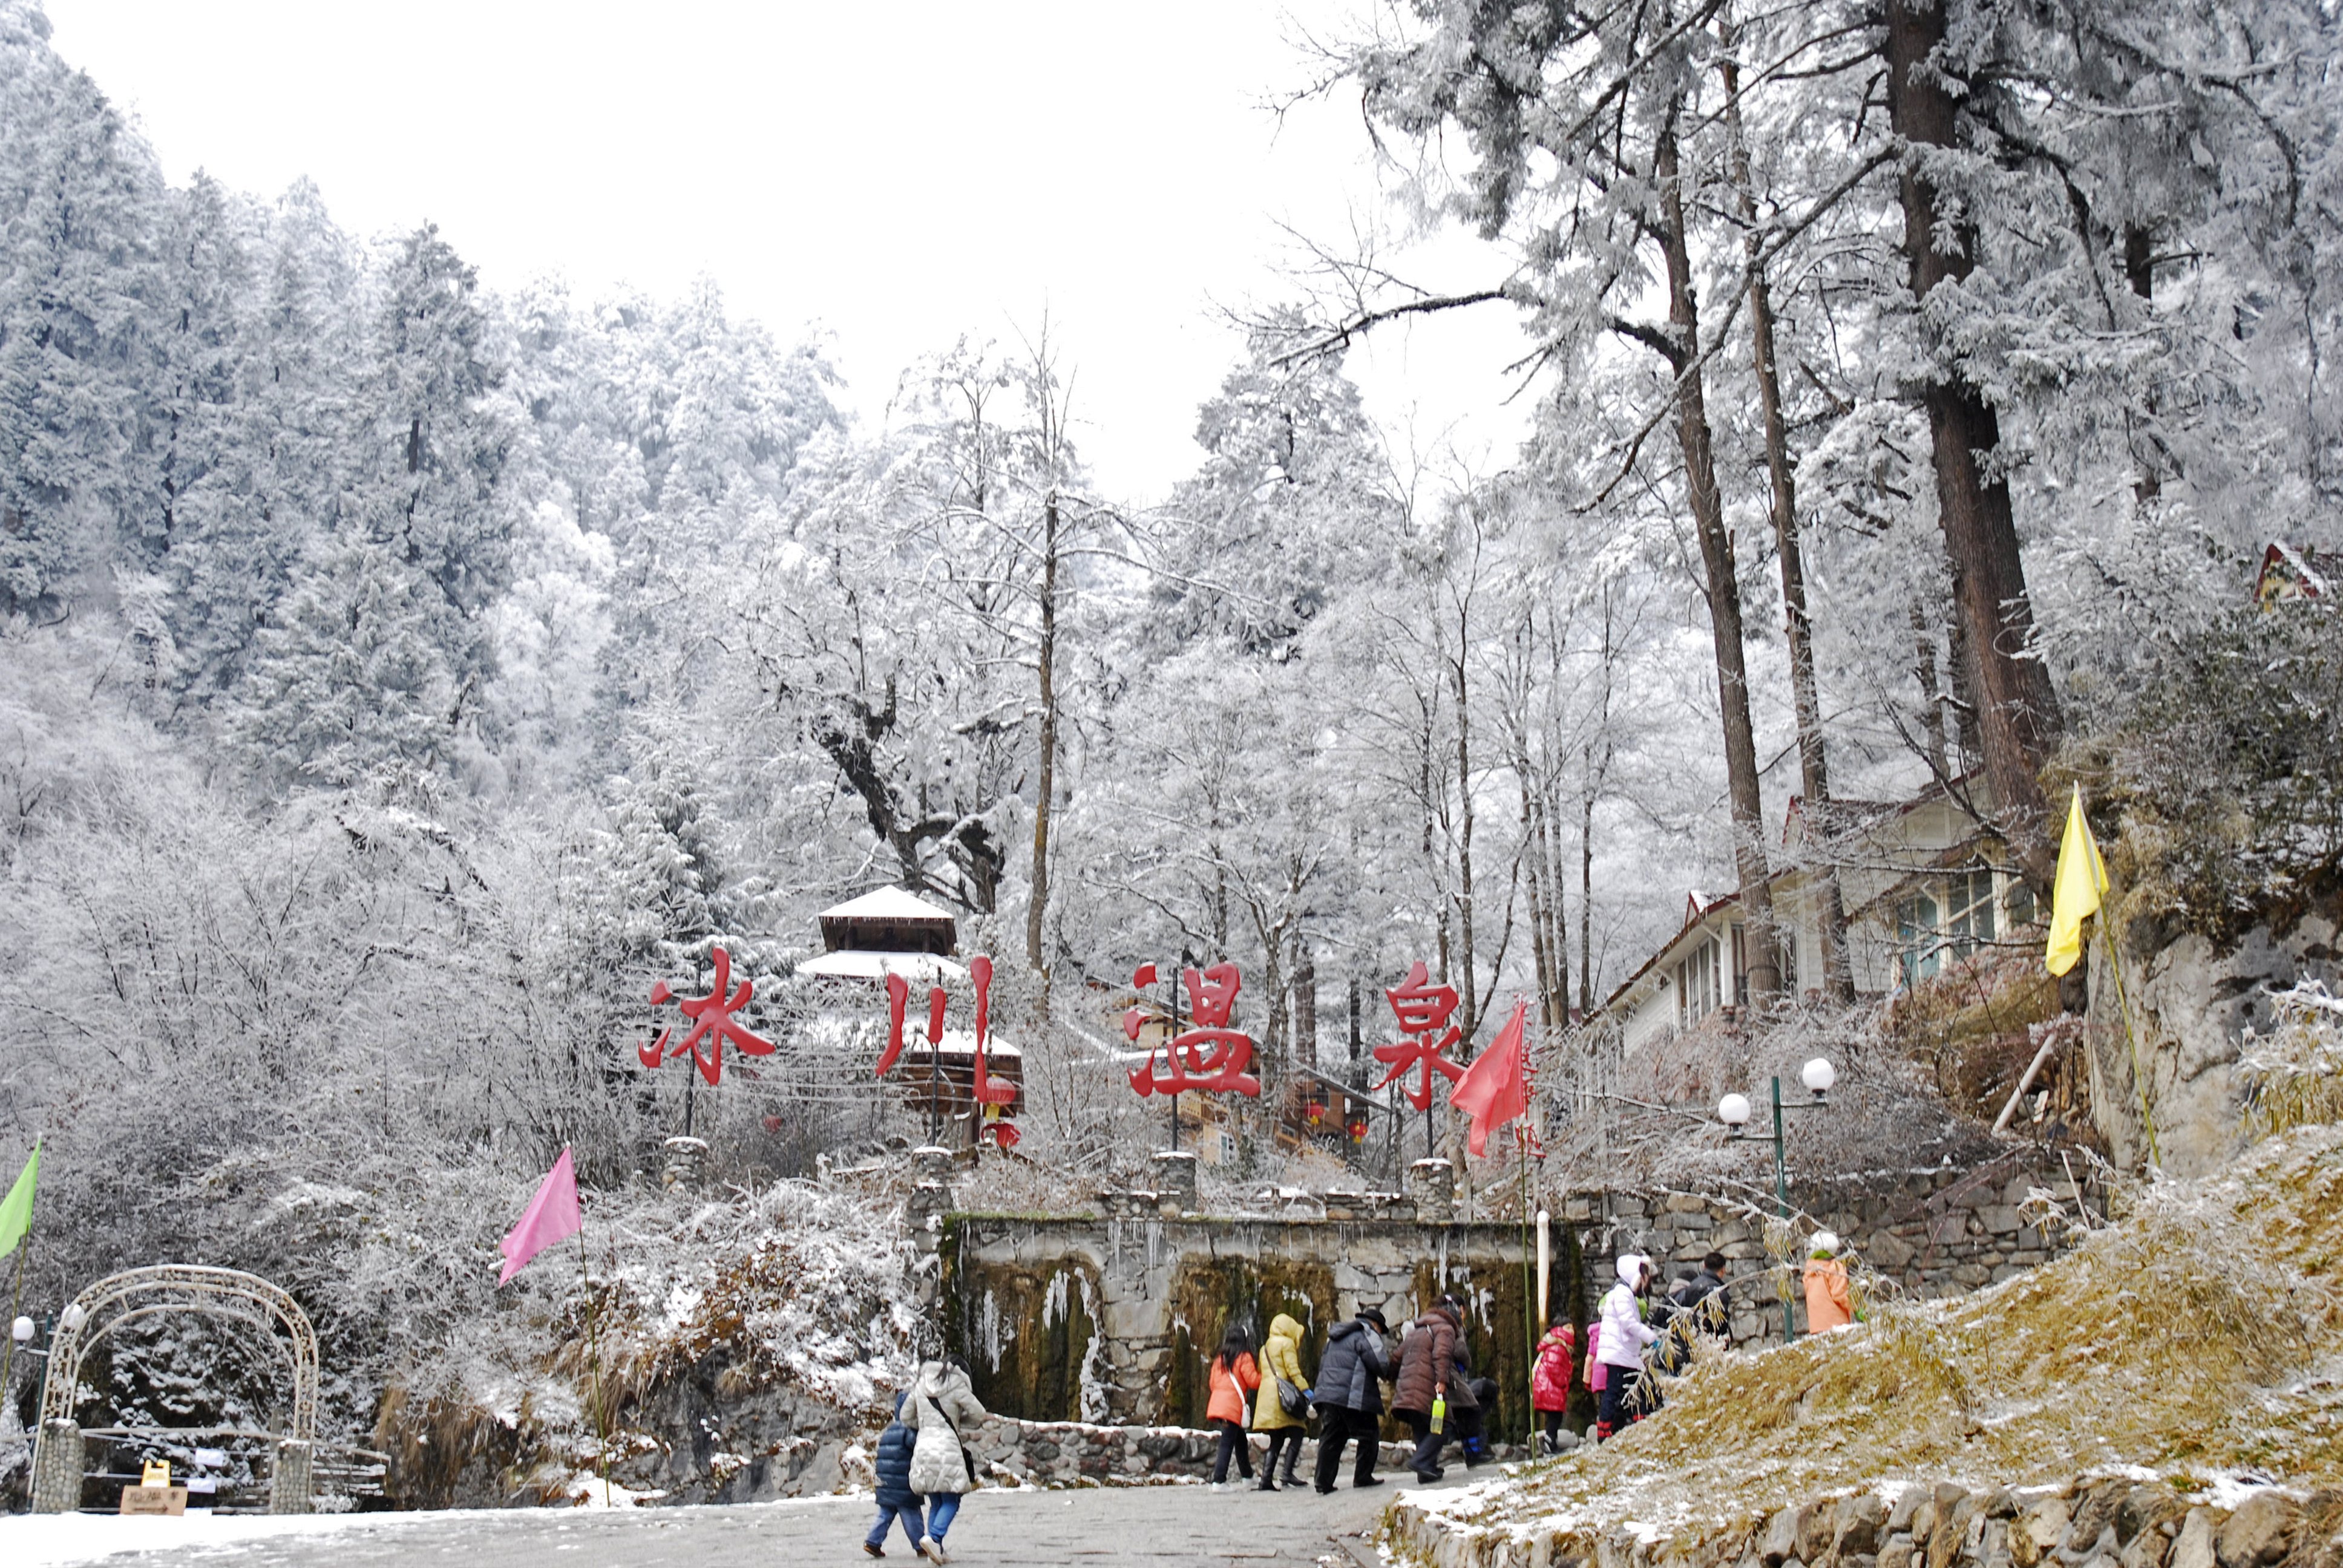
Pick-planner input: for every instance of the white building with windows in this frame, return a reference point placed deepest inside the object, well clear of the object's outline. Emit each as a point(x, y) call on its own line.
point(1923, 887)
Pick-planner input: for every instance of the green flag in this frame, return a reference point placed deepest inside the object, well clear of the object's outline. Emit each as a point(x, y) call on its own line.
point(17, 1209)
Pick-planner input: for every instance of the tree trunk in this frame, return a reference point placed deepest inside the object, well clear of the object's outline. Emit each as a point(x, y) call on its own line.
point(1038, 906)
point(1723, 592)
point(1305, 1003)
point(1464, 981)
point(1532, 856)
point(2017, 709)
point(1593, 777)
point(1830, 906)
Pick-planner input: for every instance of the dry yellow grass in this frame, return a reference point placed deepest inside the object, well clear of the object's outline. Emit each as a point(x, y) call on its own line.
point(2199, 1332)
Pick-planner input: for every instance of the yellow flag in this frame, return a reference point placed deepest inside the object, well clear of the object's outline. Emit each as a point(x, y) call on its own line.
point(2082, 877)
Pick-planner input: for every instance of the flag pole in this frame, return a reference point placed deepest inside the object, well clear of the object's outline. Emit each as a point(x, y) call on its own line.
point(1529, 1297)
point(8, 1358)
point(594, 1371)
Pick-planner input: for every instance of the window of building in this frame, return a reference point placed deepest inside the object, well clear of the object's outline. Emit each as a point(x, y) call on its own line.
point(2020, 903)
point(1968, 911)
point(1697, 993)
point(1919, 945)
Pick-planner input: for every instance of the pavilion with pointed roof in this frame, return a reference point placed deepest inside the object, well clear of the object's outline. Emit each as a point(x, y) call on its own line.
point(887, 932)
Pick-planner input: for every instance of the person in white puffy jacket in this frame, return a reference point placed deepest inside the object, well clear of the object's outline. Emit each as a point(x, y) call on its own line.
point(1624, 1335)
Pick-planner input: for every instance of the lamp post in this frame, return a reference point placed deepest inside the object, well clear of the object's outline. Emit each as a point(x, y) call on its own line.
point(1818, 1075)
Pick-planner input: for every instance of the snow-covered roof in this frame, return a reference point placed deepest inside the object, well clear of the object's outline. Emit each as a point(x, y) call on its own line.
point(957, 1042)
point(887, 904)
point(870, 966)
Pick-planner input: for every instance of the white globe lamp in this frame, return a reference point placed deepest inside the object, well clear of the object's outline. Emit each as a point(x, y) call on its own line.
point(1733, 1111)
point(1818, 1076)
point(21, 1331)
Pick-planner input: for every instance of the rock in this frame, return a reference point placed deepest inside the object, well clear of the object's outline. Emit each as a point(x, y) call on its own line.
point(1817, 1531)
point(1780, 1540)
point(2045, 1525)
point(2143, 1510)
point(2260, 1533)
point(2146, 1551)
point(1857, 1522)
point(1899, 1513)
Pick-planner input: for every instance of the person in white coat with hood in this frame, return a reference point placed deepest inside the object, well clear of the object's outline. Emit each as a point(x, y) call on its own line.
point(941, 1412)
point(1624, 1335)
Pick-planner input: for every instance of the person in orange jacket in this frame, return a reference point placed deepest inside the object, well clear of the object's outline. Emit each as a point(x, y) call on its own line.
point(1233, 1380)
point(1828, 1305)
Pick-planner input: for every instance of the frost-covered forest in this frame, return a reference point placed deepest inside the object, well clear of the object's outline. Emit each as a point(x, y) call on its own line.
point(400, 675)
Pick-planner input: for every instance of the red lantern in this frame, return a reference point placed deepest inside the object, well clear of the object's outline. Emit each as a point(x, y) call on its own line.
point(1315, 1110)
point(1358, 1129)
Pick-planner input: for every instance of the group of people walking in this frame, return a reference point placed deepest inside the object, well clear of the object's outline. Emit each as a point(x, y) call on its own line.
point(1433, 1392)
point(924, 1463)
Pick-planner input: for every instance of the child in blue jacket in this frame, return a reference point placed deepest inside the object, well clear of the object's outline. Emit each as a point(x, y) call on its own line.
point(896, 1498)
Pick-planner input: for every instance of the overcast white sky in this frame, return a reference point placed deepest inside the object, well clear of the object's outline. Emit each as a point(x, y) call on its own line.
point(899, 174)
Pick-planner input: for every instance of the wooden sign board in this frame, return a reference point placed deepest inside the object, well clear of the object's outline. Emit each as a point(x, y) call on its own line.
point(165, 1500)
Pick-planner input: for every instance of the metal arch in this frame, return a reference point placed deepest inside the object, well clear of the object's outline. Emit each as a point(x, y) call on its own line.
point(213, 1288)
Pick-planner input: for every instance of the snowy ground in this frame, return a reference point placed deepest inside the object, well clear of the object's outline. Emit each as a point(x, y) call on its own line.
point(1165, 1527)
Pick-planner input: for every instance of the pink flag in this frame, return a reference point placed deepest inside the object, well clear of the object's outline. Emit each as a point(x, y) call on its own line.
point(1496, 1088)
point(551, 1216)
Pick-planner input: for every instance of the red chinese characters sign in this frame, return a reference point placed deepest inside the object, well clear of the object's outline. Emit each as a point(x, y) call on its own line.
point(710, 1017)
point(992, 1096)
point(1210, 1056)
point(1422, 1009)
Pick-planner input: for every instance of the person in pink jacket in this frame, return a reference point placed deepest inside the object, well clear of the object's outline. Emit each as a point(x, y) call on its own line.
point(1550, 1380)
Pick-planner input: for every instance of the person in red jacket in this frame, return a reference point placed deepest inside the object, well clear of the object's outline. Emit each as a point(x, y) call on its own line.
point(1233, 1380)
point(1550, 1379)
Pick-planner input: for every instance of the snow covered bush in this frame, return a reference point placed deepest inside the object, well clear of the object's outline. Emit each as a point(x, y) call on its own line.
point(2230, 770)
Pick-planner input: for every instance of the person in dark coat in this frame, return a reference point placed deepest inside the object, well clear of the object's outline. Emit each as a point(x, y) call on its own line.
point(1351, 1376)
point(1427, 1376)
point(896, 1498)
point(1466, 1422)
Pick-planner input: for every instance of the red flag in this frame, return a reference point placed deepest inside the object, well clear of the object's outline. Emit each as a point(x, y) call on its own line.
point(551, 1216)
point(1496, 1088)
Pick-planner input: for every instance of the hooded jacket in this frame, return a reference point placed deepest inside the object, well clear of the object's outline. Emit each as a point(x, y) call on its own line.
point(1828, 1305)
point(1624, 1333)
point(942, 1410)
point(894, 1461)
point(1354, 1368)
point(1281, 1357)
point(1231, 1384)
point(1550, 1380)
point(1427, 1363)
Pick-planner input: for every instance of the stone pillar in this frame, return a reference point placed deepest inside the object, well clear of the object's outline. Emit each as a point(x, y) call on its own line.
point(931, 1164)
point(687, 1163)
point(1433, 1184)
point(289, 1477)
point(1175, 1182)
point(56, 1468)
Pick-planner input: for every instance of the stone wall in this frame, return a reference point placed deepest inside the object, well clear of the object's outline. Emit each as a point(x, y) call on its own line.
point(1930, 1232)
point(1075, 1453)
point(1113, 1319)
point(2091, 1522)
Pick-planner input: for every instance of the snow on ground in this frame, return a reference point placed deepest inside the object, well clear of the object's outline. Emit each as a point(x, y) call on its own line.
point(59, 1539)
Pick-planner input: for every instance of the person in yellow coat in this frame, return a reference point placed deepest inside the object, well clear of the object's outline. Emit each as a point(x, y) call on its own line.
point(1828, 1306)
point(1281, 1357)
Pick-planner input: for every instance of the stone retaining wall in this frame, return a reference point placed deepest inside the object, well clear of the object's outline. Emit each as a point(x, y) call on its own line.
point(1930, 1232)
point(2092, 1522)
point(1074, 1453)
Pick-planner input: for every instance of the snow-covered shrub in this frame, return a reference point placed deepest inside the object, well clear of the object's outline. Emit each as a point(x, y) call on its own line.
point(2230, 769)
point(2297, 1067)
